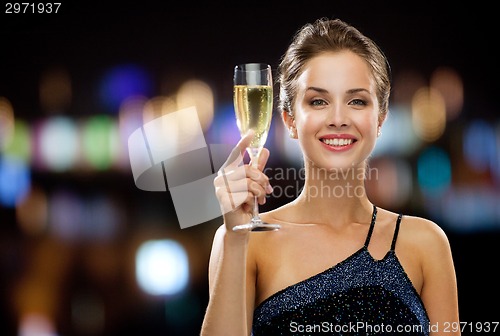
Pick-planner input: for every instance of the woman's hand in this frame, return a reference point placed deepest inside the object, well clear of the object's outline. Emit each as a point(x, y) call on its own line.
point(237, 184)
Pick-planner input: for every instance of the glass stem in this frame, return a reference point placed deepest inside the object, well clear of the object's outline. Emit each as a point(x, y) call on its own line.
point(254, 155)
point(255, 216)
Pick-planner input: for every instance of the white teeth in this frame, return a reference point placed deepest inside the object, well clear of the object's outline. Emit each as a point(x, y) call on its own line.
point(337, 142)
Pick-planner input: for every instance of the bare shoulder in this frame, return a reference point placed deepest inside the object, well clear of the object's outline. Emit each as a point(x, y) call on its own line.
point(425, 235)
point(431, 267)
point(423, 228)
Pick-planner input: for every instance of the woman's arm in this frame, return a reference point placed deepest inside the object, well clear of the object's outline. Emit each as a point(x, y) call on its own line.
point(227, 312)
point(231, 274)
point(439, 291)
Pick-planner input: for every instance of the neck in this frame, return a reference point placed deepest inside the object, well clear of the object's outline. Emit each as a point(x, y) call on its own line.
point(337, 190)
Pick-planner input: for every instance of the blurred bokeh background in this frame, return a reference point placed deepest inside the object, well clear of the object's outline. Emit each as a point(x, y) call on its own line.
point(84, 252)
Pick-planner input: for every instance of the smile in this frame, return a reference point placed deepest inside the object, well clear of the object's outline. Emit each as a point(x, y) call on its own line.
point(338, 142)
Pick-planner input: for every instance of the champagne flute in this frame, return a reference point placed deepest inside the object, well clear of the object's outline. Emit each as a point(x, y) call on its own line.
point(253, 104)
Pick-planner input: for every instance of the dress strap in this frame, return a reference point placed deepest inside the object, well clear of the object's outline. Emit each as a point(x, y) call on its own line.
point(372, 225)
point(396, 231)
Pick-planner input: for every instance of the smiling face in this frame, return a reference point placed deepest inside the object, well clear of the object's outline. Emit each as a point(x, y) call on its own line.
point(335, 112)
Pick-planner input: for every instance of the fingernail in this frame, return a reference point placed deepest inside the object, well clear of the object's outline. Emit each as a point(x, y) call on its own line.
point(269, 189)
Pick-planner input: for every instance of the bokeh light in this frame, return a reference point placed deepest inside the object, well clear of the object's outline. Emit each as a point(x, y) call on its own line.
point(6, 122)
point(495, 164)
point(162, 267)
point(32, 212)
point(157, 106)
point(20, 144)
point(467, 209)
point(480, 147)
point(59, 143)
point(199, 94)
point(100, 141)
point(130, 118)
point(15, 181)
point(434, 172)
point(390, 181)
point(449, 84)
point(103, 220)
point(66, 215)
point(122, 82)
point(398, 136)
point(428, 114)
point(224, 129)
point(34, 324)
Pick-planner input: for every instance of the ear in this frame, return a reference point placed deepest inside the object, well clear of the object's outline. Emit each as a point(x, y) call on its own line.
point(381, 118)
point(288, 120)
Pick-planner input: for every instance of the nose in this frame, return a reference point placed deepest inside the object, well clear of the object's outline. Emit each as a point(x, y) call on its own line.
point(337, 116)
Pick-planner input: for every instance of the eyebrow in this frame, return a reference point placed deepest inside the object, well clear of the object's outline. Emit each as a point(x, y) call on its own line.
point(317, 89)
point(350, 91)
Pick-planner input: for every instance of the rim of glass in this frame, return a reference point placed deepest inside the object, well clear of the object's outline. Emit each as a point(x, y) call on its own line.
point(257, 65)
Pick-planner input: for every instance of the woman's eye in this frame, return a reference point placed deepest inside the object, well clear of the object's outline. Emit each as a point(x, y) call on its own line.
point(357, 102)
point(318, 102)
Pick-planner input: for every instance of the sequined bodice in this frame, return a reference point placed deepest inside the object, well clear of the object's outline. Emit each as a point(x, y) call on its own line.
point(358, 296)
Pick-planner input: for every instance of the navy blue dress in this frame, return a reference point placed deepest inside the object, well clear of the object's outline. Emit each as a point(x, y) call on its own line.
point(358, 296)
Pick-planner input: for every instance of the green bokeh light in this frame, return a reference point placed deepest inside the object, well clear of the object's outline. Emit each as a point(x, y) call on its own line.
point(100, 143)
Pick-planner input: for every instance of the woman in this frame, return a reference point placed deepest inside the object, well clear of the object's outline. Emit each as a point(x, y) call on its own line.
point(339, 264)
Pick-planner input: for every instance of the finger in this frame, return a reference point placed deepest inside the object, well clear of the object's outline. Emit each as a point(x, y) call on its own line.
point(263, 179)
point(243, 172)
point(233, 186)
point(236, 156)
point(256, 188)
point(263, 157)
point(233, 174)
point(258, 176)
point(245, 141)
point(231, 202)
point(255, 182)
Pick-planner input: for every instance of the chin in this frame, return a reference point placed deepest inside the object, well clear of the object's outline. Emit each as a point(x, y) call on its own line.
point(337, 165)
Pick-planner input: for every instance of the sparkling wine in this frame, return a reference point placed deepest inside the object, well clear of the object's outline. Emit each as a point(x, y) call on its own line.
point(254, 106)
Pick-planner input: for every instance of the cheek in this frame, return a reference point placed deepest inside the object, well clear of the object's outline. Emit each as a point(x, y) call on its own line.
point(308, 122)
point(369, 126)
